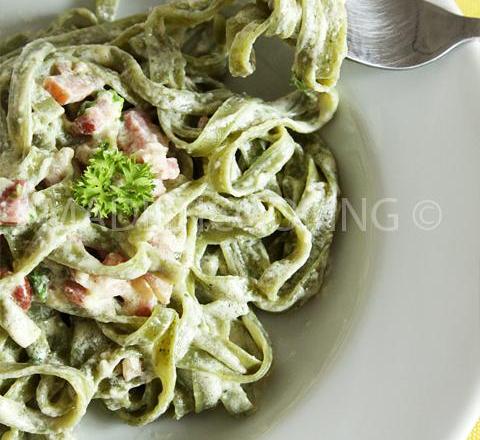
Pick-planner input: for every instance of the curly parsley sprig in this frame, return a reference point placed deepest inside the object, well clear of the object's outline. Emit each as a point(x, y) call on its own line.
point(114, 184)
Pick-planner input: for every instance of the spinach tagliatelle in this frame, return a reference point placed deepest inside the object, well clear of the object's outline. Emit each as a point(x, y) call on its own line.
point(146, 210)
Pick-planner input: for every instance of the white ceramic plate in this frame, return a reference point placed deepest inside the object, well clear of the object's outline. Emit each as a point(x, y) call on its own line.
point(391, 349)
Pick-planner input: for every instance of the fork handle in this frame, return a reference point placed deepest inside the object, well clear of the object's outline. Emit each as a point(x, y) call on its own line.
point(472, 27)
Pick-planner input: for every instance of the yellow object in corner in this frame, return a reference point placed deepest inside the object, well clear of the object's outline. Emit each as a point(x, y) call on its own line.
point(470, 7)
point(475, 434)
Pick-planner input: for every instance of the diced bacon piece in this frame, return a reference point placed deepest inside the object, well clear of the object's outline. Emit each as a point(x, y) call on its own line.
point(170, 170)
point(144, 311)
point(98, 293)
point(14, 204)
point(88, 125)
point(165, 168)
point(161, 288)
point(138, 131)
point(75, 292)
point(152, 153)
point(71, 85)
point(145, 300)
point(131, 368)
point(21, 294)
point(62, 89)
point(202, 122)
point(143, 140)
point(103, 112)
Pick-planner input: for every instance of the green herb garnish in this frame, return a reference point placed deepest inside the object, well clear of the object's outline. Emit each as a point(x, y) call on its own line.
point(114, 183)
point(116, 97)
point(298, 84)
point(39, 280)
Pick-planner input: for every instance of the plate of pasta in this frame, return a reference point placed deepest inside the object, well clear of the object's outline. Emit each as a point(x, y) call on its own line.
point(177, 247)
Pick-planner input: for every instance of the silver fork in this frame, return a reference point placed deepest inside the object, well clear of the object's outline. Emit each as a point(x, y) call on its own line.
point(402, 34)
